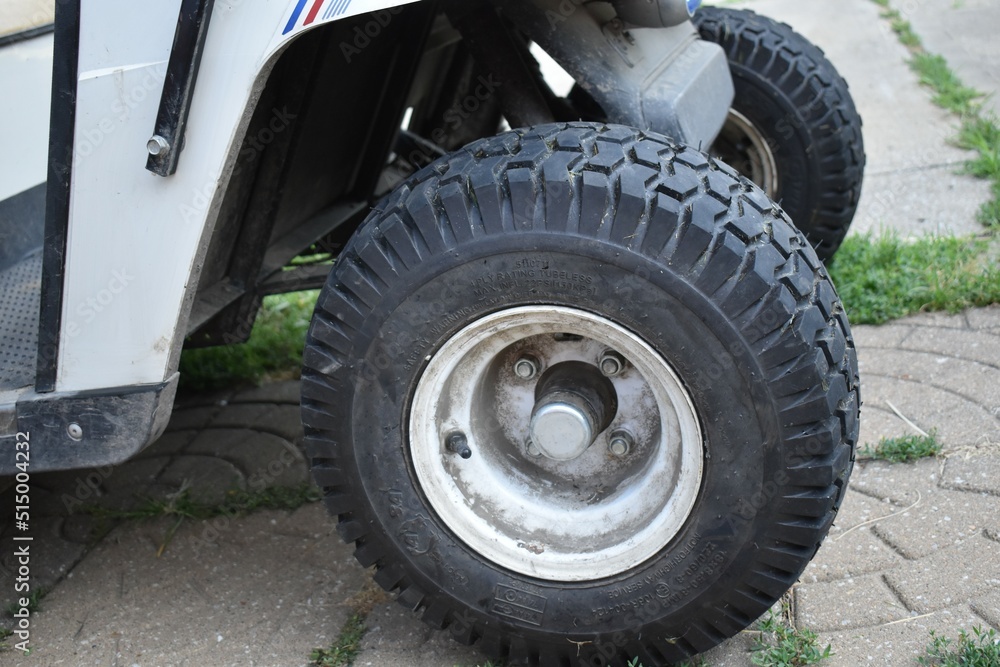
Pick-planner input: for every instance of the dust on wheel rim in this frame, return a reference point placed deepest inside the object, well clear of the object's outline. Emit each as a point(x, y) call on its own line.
point(595, 516)
point(742, 146)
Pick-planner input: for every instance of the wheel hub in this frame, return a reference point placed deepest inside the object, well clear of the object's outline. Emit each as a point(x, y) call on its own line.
point(574, 403)
point(575, 470)
point(561, 430)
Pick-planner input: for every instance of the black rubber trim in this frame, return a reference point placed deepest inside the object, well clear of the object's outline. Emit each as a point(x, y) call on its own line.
point(178, 87)
point(25, 35)
point(61, 131)
point(116, 423)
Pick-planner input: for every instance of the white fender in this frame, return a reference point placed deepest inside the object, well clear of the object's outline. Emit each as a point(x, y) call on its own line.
point(134, 237)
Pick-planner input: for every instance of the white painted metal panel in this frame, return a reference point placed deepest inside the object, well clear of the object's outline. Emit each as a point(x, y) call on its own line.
point(134, 236)
point(25, 90)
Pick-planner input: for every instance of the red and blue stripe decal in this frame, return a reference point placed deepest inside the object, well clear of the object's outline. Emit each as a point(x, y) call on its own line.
point(336, 8)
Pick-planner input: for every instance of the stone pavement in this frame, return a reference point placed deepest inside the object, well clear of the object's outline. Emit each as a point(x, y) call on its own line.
point(964, 32)
point(916, 547)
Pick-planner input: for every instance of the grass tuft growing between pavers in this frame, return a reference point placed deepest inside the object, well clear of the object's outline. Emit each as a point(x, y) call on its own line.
point(33, 606)
point(346, 647)
point(904, 449)
point(782, 645)
point(697, 662)
point(237, 504)
point(180, 507)
point(980, 649)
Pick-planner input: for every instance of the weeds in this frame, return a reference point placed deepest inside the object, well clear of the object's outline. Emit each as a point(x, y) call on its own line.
point(33, 606)
point(905, 449)
point(886, 278)
point(698, 662)
point(949, 91)
point(237, 503)
point(900, 26)
point(343, 651)
point(781, 645)
point(179, 506)
point(980, 649)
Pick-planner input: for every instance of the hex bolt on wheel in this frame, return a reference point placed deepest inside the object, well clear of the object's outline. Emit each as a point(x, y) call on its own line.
point(526, 367)
point(621, 443)
point(612, 363)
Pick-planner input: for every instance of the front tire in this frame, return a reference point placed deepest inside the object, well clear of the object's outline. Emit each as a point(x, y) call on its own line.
point(639, 287)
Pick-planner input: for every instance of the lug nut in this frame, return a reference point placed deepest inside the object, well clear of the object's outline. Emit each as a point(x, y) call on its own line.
point(457, 443)
point(621, 443)
point(533, 450)
point(612, 363)
point(526, 367)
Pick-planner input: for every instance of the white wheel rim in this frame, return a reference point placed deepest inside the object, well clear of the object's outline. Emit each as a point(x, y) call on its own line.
point(592, 517)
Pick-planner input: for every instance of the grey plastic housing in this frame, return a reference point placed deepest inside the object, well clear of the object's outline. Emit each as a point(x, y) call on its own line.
point(663, 79)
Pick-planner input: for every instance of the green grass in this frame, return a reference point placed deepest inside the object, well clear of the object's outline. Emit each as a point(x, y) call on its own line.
point(180, 507)
point(979, 131)
point(34, 603)
point(781, 645)
point(904, 449)
point(949, 91)
point(237, 503)
point(274, 350)
point(980, 649)
point(900, 26)
point(698, 662)
point(343, 651)
point(884, 278)
point(880, 278)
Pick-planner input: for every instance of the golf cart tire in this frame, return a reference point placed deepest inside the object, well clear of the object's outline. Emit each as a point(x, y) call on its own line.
point(658, 242)
point(802, 109)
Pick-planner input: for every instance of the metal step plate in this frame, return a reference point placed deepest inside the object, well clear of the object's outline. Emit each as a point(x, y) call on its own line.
point(20, 292)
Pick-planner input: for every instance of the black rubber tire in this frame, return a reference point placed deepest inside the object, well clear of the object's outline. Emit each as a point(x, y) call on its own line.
point(674, 246)
point(803, 109)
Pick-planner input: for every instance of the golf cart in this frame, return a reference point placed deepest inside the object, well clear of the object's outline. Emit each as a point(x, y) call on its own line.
point(580, 390)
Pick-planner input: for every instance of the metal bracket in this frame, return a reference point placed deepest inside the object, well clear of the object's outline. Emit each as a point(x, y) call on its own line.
point(165, 145)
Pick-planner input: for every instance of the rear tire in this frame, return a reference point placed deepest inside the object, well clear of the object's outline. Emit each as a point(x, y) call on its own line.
point(542, 249)
point(794, 130)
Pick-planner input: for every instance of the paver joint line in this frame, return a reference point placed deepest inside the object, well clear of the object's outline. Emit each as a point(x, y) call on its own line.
point(868, 523)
